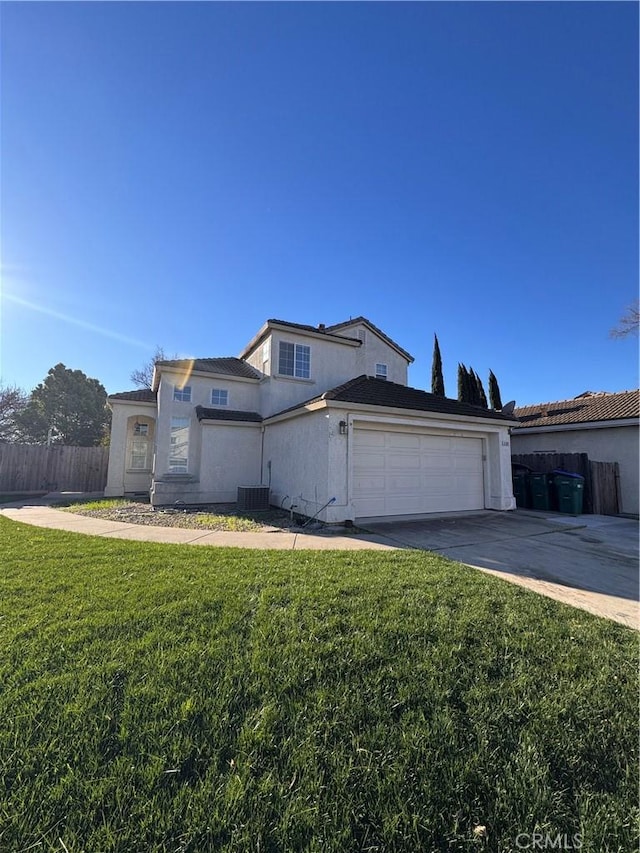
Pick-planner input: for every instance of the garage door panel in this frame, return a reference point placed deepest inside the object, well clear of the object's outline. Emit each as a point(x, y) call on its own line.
point(398, 462)
point(437, 443)
point(431, 462)
point(397, 473)
point(369, 485)
point(407, 483)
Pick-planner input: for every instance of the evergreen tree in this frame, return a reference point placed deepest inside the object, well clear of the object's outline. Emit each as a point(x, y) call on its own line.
point(465, 385)
point(461, 383)
point(437, 379)
point(480, 396)
point(494, 392)
point(68, 408)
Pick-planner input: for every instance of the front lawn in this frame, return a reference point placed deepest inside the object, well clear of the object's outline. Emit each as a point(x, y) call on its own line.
point(181, 699)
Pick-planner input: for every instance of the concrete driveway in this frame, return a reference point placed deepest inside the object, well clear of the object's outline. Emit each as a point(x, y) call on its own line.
point(588, 561)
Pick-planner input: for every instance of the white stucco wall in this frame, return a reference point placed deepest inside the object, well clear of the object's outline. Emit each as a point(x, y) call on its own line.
point(311, 459)
point(120, 480)
point(374, 350)
point(295, 462)
point(230, 458)
point(332, 364)
point(607, 444)
point(243, 393)
point(225, 456)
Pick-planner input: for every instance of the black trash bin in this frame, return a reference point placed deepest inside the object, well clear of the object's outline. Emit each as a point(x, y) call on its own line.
point(521, 489)
point(540, 492)
point(569, 490)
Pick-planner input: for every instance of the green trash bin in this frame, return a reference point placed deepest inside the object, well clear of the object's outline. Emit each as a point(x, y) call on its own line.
point(521, 489)
point(569, 489)
point(540, 493)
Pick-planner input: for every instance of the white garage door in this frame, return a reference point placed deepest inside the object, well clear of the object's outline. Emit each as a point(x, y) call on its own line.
point(398, 473)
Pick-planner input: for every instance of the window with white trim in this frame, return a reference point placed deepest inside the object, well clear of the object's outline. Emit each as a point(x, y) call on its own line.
point(139, 454)
point(182, 395)
point(294, 360)
point(140, 448)
point(219, 397)
point(381, 371)
point(179, 446)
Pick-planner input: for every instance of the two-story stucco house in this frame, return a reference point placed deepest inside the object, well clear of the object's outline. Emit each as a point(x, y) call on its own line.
point(315, 414)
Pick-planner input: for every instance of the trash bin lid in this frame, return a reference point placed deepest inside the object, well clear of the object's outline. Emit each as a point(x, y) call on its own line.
point(561, 473)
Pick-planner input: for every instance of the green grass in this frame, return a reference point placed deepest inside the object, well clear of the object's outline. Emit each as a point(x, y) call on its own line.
point(168, 698)
point(227, 522)
point(90, 506)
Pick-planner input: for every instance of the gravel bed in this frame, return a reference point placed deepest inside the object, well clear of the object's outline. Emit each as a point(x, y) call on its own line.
point(214, 517)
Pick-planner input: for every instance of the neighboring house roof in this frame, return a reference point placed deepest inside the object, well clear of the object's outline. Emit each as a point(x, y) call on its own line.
point(207, 414)
point(368, 390)
point(144, 395)
point(357, 320)
point(587, 408)
point(229, 365)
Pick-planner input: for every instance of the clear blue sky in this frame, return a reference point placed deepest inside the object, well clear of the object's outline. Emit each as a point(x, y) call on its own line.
point(175, 173)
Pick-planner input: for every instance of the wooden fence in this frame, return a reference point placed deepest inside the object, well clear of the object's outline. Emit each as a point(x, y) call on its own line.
point(35, 468)
point(601, 479)
point(605, 480)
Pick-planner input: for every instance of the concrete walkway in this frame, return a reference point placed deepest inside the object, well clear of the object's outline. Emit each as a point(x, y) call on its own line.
point(589, 562)
point(274, 538)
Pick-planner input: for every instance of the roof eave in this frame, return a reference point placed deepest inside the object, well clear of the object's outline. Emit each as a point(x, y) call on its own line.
point(204, 374)
point(151, 403)
point(372, 408)
point(379, 333)
point(311, 333)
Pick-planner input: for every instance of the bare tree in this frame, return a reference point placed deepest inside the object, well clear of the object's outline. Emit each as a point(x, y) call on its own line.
point(628, 323)
point(143, 377)
point(12, 401)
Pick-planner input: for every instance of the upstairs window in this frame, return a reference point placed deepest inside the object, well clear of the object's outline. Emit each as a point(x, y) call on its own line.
point(294, 360)
point(381, 371)
point(219, 397)
point(182, 395)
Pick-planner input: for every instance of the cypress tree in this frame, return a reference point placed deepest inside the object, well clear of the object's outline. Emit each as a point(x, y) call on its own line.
point(465, 385)
point(437, 379)
point(480, 393)
point(494, 392)
point(462, 391)
point(474, 396)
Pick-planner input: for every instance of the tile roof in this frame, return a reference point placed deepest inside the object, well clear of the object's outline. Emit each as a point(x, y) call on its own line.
point(370, 391)
point(144, 395)
point(328, 330)
point(320, 329)
point(203, 413)
point(586, 408)
point(229, 365)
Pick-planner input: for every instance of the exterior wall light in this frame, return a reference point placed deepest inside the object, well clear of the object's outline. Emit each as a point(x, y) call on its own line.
point(343, 427)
